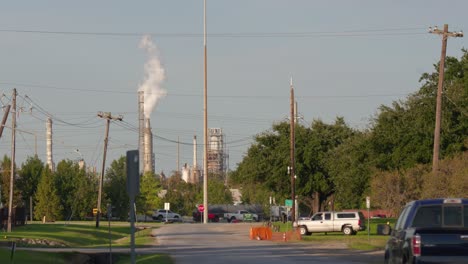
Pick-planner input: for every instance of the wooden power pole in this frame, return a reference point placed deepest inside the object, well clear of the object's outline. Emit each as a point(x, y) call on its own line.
point(292, 152)
point(445, 34)
point(108, 118)
point(12, 171)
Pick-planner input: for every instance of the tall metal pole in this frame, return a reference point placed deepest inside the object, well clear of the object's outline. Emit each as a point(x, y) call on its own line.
point(12, 170)
point(292, 151)
point(205, 123)
point(108, 117)
point(445, 34)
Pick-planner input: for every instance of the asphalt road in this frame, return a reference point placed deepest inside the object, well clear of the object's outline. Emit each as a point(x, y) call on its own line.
point(230, 243)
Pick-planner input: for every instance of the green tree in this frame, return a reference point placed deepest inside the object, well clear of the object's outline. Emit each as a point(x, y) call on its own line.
point(314, 179)
point(47, 201)
point(75, 189)
point(402, 135)
point(29, 177)
point(148, 199)
point(115, 188)
point(350, 171)
point(5, 184)
point(218, 193)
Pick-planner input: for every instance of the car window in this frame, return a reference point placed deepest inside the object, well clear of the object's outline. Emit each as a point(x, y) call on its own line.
point(401, 219)
point(317, 217)
point(345, 215)
point(453, 216)
point(428, 216)
point(327, 216)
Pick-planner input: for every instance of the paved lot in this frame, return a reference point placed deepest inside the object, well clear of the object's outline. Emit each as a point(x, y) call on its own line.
point(230, 243)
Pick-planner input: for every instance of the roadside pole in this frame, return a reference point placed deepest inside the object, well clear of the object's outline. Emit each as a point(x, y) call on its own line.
point(133, 189)
point(368, 216)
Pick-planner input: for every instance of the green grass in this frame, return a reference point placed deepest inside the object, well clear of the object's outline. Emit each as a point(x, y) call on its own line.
point(26, 257)
point(80, 234)
point(33, 257)
point(361, 241)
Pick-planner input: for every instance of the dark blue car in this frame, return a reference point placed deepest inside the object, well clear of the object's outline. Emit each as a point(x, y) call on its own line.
point(430, 231)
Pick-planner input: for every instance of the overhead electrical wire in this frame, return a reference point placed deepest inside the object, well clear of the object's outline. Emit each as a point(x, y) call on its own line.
point(309, 34)
point(210, 96)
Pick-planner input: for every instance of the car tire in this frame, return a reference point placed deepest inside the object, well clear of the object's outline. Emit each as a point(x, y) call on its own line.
point(216, 218)
point(303, 231)
point(347, 230)
point(160, 217)
point(233, 219)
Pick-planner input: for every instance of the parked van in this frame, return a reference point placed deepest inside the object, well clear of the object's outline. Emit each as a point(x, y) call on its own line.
point(323, 222)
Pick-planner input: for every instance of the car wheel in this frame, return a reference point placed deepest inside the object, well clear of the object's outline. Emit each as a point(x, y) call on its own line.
point(303, 231)
point(347, 230)
point(216, 219)
point(233, 219)
point(255, 219)
point(160, 217)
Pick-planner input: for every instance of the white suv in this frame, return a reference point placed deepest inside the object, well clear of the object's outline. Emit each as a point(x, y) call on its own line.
point(347, 222)
point(161, 214)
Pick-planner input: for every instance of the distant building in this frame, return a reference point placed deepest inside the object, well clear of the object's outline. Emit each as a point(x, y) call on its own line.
point(216, 154)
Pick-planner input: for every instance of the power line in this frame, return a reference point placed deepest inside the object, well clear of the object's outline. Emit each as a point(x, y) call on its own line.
point(309, 34)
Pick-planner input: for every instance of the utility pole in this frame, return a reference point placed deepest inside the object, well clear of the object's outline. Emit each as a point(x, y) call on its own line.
point(205, 122)
point(292, 151)
point(445, 34)
point(5, 117)
point(178, 158)
point(108, 118)
point(13, 149)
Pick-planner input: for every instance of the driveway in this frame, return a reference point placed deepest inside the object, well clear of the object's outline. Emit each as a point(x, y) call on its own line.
point(230, 243)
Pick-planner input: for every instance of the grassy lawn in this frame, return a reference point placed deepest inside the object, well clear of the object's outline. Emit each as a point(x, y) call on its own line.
point(26, 257)
point(361, 241)
point(81, 234)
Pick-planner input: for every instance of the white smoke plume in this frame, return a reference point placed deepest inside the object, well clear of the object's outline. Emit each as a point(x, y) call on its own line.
point(154, 76)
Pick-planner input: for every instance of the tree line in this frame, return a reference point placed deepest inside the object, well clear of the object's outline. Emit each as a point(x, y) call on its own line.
point(390, 161)
point(70, 192)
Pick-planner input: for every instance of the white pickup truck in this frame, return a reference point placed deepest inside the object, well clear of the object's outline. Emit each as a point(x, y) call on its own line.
point(242, 215)
point(347, 222)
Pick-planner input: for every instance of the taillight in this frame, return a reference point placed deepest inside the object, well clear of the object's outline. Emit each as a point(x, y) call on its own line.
point(359, 222)
point(416, 245)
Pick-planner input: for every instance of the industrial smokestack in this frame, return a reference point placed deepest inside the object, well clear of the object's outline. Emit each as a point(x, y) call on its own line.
point(148, 157)
point(141, 124)
point(50, 160)
point(194, 174)
point(194, 151)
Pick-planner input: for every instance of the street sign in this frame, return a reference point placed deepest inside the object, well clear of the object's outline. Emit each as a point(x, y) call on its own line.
point(367, 202)
point(201, 208)
point(167, 206)
point(288, 202)
point(95, 211)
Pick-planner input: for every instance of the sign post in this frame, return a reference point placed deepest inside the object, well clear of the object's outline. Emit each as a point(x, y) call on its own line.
point(133, 189)
point(201, 209)
point(368, 216)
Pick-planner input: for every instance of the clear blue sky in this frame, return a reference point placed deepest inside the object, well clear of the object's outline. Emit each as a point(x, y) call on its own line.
point(346, 57)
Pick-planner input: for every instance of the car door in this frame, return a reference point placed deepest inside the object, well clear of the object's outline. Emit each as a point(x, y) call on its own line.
point(316, 223)
point(327, 223)
point(397, 238)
